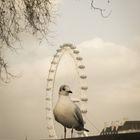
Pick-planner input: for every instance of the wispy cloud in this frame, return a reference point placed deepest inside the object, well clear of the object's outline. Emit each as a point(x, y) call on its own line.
point(113, 78)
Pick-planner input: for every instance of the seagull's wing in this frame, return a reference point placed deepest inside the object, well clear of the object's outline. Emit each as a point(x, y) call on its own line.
point(78, 115)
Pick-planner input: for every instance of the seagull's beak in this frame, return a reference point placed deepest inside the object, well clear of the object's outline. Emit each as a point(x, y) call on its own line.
point(69, 91)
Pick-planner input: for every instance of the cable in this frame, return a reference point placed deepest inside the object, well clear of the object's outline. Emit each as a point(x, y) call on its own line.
point(93, 125)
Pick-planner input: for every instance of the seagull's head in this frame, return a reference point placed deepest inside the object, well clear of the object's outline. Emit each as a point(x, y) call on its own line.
point(64, 90)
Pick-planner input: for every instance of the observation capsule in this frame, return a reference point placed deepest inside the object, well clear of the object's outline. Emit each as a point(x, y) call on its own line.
point(81, 66)
point(76, 51)
point(79, 58)
point(50, 79)
point(83, 76)
point(84, 87)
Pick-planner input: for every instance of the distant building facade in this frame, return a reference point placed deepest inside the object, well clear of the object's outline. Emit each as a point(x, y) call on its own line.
point(126, 127)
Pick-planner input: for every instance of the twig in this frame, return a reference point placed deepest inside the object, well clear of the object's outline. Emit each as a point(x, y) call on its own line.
point(100, 9)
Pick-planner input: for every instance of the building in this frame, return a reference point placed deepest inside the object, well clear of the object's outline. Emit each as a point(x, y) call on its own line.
point(126, 127)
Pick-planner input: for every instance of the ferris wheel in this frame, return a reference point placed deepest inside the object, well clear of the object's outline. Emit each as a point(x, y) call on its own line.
point(82, 100)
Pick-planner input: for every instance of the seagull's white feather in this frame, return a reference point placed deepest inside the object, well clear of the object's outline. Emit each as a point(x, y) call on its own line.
point(66, 112)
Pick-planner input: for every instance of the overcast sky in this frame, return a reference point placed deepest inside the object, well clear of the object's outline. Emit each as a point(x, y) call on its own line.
point(110, 48)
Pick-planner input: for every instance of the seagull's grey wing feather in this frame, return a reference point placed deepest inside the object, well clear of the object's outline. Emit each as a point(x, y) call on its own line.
point(78, 115)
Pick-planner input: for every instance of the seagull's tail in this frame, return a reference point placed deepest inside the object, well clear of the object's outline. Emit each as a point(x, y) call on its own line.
point(85, 129)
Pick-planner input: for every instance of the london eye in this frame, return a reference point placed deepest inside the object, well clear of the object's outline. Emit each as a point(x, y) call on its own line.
point(82, 99)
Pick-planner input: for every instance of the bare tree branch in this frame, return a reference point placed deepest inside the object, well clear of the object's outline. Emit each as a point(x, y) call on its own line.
point(16, 16)
point(32, 16)
point(5, 76)
point(100, 9)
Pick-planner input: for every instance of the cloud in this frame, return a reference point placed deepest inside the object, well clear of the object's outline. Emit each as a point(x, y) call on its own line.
point(113, 72)
point(113, 76)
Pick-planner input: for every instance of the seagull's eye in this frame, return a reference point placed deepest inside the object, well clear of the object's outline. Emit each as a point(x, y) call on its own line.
point(64, 88)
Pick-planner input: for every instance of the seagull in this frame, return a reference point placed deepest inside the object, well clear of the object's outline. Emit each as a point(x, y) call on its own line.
point(68, 113)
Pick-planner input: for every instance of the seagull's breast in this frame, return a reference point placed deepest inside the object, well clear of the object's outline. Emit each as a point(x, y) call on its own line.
point(64, 112)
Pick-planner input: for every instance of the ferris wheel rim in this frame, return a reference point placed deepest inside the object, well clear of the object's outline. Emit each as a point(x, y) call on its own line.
point(50, 89)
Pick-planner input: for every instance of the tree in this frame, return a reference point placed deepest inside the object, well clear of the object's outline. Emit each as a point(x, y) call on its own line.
point(32, 16)
point(17, 16)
